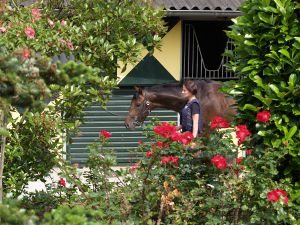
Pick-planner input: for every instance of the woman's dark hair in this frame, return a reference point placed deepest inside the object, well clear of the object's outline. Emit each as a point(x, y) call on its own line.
point(191, 86)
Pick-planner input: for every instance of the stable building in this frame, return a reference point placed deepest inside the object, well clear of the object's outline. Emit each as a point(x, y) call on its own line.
point(192, 49)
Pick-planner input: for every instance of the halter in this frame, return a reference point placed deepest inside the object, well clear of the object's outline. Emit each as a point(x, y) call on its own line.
point(146, 106)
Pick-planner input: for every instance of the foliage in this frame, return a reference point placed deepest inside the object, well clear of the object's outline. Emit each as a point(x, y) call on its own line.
point(77, 215)
point(24, 79)
point(31, 151)
point(266, 58)
point(97, 36)
point(214, 179)
point(98, 33)
point(12, 214)
point(35, 138)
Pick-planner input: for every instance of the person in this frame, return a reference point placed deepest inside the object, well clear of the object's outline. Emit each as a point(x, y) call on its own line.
point(190, 115)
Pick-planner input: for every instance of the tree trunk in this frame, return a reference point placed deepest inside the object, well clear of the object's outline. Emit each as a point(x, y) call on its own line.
point(3, 123)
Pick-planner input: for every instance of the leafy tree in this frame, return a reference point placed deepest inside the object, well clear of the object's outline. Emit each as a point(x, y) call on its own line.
point(267, 60)
point(98, 33)
point(99, 36)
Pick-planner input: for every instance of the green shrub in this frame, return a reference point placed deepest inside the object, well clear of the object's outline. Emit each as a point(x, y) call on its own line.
point(267, 60)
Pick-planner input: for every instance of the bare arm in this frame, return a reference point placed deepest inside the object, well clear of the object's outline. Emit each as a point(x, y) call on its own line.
point(195, 124)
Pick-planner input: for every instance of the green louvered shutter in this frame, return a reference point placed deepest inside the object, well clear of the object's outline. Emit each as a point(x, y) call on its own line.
point(112, 120)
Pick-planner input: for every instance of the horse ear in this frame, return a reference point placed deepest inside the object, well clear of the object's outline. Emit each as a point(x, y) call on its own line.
point(138, 89)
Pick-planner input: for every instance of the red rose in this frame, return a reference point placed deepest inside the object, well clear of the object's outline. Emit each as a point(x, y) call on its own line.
point(239, 160)
point(280, 192)
point(248, 151)
point(242, 132)
point(165, 159)
point(219, 122)
point(175, 160)
point(169, 159)
point(62, 182)
point(105, 134)
point(219, 161)
point(274, 196)
point(186, 138)
point(285, 200)
point(149, 154)
point(263, 116)
point(176, 136)
point(166, 130)
point(140, 142)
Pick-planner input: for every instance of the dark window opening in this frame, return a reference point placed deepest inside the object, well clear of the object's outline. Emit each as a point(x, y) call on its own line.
point(204, 43)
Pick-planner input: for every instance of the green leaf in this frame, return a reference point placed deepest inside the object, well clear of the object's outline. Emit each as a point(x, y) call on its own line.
point(261, 133)
point(292, 80)
point(280, 5)
point(257, 79)
point(250, 107)
point(4, 132)
point(285, 53)
point(275, 89)
point(291, 132)
point(276, 143)
point(264, 17)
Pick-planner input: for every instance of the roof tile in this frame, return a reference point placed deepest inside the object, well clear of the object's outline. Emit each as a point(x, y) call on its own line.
point(223, 5)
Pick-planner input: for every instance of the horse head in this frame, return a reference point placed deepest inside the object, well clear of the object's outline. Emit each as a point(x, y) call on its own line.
point(139, 109)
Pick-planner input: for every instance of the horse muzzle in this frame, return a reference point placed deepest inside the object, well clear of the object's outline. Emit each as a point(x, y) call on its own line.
point(131, 123)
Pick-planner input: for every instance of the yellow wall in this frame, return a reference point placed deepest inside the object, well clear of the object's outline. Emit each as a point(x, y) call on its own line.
point(169, 54)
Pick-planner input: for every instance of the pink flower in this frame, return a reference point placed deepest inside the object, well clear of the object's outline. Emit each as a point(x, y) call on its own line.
point(26, 53)
point(134, 167)
point(69, 44)
point(274, 196)
point(219, 161)
point(263, 116)
point(105, 134)
point(63, 23)
point(2, 29)
point(29, 31)
point(248, 151)
point(35, 12)
point(219, 122)
point(51, 23)
point(62, 182)
point(140, 142)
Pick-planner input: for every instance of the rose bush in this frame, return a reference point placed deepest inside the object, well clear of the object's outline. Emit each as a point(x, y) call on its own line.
point(220, 180)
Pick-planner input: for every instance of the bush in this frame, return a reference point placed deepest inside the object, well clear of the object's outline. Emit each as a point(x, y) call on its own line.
point(266, 58)
point(220, 178)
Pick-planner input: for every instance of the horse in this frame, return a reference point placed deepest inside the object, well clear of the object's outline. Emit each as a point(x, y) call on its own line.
point(168, 96)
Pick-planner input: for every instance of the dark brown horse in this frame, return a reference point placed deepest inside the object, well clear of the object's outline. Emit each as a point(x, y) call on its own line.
point(168, 96)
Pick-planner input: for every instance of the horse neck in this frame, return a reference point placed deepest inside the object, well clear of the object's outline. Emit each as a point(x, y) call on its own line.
point(167, 98)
